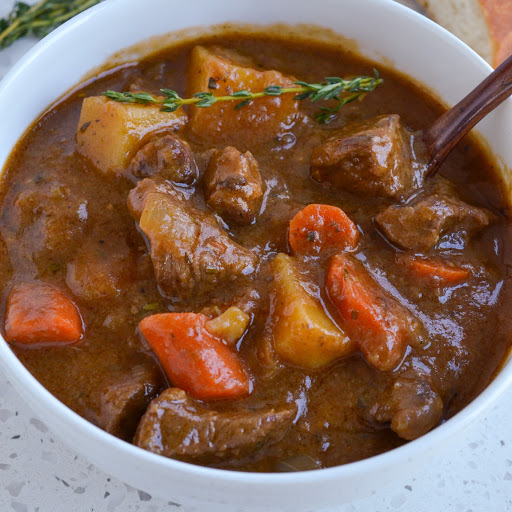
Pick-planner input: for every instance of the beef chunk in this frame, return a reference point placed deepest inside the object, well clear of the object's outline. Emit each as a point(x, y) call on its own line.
point(169, 158)
point(124, 399)
point(179, 427)
point(412, 406)
point(233, 185)
point(372, 158)
point(138, 195)
point(48, 221)
point(102, 268)
point(420, 225)
point(191, 254)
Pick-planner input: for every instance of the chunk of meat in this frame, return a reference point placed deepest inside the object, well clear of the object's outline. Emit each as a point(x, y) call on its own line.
point(102, 268)
point(124, 399)
point(48, 221)
point(412, 406)
point(380, 326)
point(138, 195)
point(40, 314)
point(109, 132)
point(167, 157)
point(233, 186)
point(191, 254)
point(302, 332)
point(421, 225)
point(179, 427)
point(224, 72)
point(372, 158)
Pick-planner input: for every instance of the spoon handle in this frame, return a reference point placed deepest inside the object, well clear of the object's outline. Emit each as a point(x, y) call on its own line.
point(448, 130)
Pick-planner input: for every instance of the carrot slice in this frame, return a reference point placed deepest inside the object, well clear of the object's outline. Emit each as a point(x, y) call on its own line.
point(434, 271)
point(321, 226)
point(379, 325)
point(195, 360)
point(41, 314)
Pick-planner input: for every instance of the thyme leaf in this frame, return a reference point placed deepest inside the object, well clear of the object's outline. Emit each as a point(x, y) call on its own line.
point(338, 90)
point(152, 306)
point(39, 19)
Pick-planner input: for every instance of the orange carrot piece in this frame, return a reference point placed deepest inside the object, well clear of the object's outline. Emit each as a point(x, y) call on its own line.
point(375, 321)
point(41, 314)
point(321, 226)
point(434, 271)
point(195, 360)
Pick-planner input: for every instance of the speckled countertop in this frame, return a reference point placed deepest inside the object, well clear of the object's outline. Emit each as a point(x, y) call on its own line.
point(38, 473)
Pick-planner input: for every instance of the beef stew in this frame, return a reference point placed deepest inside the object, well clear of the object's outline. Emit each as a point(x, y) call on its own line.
point(251, 289)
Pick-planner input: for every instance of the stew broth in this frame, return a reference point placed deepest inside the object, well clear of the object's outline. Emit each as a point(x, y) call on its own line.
point(58, 210)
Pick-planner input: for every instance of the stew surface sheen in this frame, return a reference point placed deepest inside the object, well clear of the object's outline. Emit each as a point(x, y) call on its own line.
point(66, 224)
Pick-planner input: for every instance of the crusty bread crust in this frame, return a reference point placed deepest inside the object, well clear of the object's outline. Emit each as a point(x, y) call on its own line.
point(498, 14)
point(466, 19)
point(485, 25)
point(504, 49)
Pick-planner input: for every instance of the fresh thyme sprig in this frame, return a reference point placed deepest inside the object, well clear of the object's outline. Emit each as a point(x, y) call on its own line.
point(333, 88)
point(39, 19)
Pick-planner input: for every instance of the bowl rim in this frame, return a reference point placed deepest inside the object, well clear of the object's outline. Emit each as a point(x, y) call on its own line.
point(18, 372)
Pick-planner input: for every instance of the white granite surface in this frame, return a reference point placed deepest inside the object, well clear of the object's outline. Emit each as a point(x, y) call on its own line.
point(38, 473)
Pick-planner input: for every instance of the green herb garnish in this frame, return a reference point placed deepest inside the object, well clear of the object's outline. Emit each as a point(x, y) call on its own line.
point(333, 88)
point(39, 19)
point(55, 267)
point(152, 306)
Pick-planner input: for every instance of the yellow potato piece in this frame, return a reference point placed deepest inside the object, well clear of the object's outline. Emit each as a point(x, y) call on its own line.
point(229, 326)
point(303, 333)
point(110, 132)
point(258, 122)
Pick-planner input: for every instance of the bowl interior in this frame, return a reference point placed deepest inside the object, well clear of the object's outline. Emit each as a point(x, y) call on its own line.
point(392, 35)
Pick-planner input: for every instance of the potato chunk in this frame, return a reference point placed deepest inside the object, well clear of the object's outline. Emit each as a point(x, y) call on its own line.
point(303, 334)
point(230, 326)
point(222, 73)
point(109, 132)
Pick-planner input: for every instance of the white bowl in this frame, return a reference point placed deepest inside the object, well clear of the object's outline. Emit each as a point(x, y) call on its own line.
point(384, 31)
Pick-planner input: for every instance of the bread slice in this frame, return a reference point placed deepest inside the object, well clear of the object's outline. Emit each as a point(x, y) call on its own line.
point(485, 25)
point(499, 16)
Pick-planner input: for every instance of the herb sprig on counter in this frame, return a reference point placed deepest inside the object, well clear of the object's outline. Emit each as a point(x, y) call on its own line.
point(339, 90)
point(39, 19)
